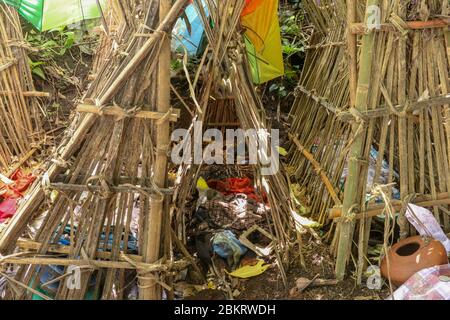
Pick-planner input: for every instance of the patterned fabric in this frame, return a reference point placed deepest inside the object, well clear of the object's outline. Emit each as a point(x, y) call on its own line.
point(236, 212)
point(427, 284)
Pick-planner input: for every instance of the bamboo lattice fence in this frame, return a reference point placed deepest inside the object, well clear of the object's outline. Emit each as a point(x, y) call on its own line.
point(381, 110)
point(19, 108)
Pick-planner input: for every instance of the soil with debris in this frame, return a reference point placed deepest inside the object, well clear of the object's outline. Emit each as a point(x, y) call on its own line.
point(269, 286)
point(320, 264)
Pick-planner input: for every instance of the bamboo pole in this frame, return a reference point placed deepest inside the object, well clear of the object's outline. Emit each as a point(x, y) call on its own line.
point(402, 126)
point(351, 191)
point(150, 290)
point(352, 51)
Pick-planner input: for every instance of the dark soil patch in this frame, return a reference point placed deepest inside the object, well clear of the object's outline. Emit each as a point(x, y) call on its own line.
point(318, 261)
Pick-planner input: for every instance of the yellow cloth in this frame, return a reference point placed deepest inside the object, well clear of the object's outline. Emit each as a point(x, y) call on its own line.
point(260, 20)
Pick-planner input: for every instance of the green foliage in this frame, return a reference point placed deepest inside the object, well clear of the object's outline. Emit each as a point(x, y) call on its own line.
point(36, 68)
point(293, 44)
point(176, 64)
point(52, 44)
point(56, 45)
point(279, 89)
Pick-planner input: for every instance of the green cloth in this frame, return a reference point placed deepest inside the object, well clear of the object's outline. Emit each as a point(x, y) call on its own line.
point(50, 14)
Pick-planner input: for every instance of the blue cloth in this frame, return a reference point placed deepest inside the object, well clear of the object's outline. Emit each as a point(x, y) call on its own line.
point(227, 246)
point(192, 41)
point(132, 245)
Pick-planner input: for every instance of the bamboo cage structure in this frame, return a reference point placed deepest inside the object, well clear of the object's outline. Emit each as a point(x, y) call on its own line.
point(102, 183)
point(386, 90)
point(20, 129)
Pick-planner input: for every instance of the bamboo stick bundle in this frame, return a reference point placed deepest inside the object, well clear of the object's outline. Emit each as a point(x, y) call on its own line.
point(98, 150)
point(317, 102)
point(19, 115)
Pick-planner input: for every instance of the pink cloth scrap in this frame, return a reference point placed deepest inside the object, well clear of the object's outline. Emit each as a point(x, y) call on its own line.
point(427, 284)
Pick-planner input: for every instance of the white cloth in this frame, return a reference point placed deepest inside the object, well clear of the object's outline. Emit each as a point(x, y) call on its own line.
point(427, 224)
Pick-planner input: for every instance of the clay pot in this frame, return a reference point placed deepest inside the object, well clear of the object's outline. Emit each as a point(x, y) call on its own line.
point(411, 255)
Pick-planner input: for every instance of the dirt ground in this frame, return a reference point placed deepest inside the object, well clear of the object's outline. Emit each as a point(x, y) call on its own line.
point(318, 261)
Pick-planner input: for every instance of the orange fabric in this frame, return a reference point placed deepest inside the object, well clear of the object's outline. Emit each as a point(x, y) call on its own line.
point(251, 6)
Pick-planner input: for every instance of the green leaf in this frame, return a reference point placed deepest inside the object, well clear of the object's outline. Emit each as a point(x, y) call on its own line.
point(70, 40)
point(282, 151)
point(39, 72)
point(33, 64)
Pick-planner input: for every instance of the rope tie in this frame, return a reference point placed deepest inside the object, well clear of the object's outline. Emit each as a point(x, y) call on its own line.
point(144, 274)
point(60, 162)
point(166, 117)
point(399, 24)
point(351, 215)
point(145, 193)
point(402, 218)
point(358, 115)
point(101, 110)
point(105, 191)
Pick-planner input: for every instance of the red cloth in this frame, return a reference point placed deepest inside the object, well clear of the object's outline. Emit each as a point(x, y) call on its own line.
point(21, 183)
point(236, 186)
point(8, 209)
point(10, 194)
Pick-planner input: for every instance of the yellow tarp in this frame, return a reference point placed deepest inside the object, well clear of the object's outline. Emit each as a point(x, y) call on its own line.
point(263, 39)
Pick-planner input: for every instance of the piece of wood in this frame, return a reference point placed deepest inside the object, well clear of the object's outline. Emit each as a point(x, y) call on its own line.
point(21, 162)
point(96, 264)
point(29, 245)
point(375, 210)
point(119, 112)
point(162, 31)
point(361, 28)
point(118, 189)
point(18, 223)
point(31, 94)
point(318, 169)
point(352, 53)
point(411, 107)
point(320, 100)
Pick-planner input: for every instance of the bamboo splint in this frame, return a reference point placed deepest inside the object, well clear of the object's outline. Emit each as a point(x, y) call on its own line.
point(374, 210)
point(33, 246)
point(318, 169)
point(119, 112)
point(7, 64)
point(19, 117)
point(99, 264)
point(31, 94)
point(361, 28)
